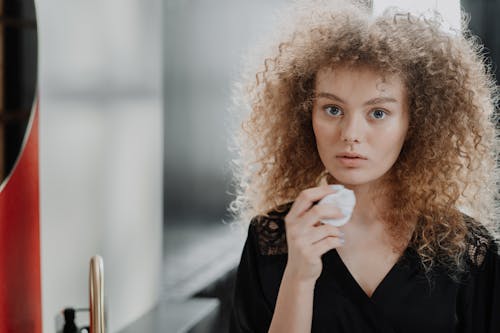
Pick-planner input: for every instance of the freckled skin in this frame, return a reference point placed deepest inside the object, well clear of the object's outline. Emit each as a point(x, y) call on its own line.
point(359, 111)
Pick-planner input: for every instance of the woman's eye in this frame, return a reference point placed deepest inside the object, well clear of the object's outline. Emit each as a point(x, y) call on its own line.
point(333, 110)
point(378, 114)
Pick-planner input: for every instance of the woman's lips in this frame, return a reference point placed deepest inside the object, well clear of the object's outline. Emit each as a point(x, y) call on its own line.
point(351, 161)
point(351, 154)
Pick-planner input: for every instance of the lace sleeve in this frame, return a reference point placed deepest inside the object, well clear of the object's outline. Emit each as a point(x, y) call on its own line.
point(271, 234)
point(478, 241)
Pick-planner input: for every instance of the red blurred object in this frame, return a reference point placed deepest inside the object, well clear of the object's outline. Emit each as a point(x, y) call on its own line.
point(20, 280)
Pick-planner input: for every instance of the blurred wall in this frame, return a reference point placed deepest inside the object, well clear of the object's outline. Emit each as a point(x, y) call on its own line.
point(101, 147)
point(204, 43)
point(448, 9)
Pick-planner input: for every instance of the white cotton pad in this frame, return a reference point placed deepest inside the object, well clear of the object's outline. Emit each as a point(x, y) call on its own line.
point(343, 199)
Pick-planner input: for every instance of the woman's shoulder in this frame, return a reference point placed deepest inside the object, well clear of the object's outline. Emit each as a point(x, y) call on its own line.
point(269, 231)
point(480, 242)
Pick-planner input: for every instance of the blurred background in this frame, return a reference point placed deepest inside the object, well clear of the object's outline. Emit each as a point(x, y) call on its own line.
point(134, 159)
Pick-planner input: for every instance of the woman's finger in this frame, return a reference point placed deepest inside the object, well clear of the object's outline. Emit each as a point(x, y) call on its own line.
point(306, 199)
point(322, 231)
point(326, 244)
point(320, 212)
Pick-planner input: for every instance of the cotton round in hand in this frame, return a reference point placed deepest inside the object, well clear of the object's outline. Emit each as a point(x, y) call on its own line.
point(343, 199)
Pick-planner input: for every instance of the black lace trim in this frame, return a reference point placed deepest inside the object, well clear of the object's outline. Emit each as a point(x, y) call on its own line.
point(271, 234)
point(479, 241)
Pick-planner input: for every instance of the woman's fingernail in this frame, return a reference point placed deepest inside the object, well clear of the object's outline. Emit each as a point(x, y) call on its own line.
point(342, 233)
point(342, 241)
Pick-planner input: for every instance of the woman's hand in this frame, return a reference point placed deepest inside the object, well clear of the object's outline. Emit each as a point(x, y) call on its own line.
point(307, 238)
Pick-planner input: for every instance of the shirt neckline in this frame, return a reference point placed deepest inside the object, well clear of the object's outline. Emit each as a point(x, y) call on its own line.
point(384, 285)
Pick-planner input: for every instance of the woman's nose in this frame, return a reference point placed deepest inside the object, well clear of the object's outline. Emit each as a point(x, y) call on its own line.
point(352, 128)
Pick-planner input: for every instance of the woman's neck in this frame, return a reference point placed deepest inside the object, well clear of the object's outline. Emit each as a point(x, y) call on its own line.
point(367, 225)
point(368, 205)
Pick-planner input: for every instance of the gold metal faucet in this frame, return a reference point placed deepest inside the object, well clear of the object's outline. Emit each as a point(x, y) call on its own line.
point(96, 288)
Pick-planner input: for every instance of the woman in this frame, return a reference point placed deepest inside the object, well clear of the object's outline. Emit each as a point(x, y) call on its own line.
point(402, 113)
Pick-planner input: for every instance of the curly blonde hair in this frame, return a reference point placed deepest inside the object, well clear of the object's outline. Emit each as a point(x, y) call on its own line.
point(448, 161)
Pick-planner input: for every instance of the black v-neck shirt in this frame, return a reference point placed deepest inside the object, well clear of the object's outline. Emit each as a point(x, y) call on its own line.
point(405, 301)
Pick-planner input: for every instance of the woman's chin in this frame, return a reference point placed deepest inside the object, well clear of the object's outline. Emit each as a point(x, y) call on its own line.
point(353, 181)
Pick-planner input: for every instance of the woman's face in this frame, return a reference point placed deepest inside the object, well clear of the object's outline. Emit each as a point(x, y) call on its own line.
point(360, 120)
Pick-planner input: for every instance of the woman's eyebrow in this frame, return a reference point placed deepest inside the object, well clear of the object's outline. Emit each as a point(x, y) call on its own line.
point(373, 101)
point(330, 96)
point(381, 100)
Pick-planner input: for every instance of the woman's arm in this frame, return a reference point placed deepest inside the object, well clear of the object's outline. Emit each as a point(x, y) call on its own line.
point(307, 241)
point(293, 311)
